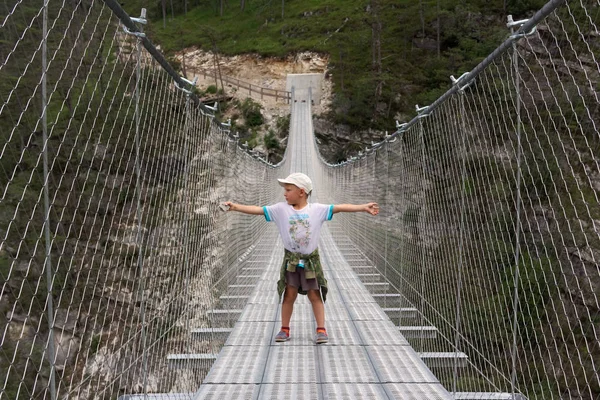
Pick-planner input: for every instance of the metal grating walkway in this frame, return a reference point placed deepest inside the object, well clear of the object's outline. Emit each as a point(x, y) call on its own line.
point(366, 357)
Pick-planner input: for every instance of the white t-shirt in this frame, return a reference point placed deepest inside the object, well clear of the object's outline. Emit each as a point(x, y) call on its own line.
point(299, 229)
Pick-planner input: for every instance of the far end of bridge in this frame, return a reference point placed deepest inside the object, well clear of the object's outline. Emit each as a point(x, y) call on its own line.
point(301, 83)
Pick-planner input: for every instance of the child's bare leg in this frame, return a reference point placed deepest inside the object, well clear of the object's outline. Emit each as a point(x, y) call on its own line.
point(287, 306)
point(317, 305)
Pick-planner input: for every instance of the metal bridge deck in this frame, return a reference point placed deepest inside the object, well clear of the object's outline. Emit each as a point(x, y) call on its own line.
point(366, 356)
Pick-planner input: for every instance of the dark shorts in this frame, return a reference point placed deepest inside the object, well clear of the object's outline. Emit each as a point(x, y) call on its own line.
point(298, 280)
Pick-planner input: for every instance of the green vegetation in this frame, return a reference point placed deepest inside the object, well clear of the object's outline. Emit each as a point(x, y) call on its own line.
point(413, 66)
point(212, 89)
point(283, 125)
point(24, 356)
point(251, 111)
point(367, 94)
point(271, 141)
point(247, 120)
point(91, 130)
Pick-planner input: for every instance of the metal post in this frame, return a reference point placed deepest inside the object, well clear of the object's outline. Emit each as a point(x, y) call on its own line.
point(461, 239)
point(186, 233)
point(421, 217)
point(401, 264)
point(48, 261)
point(373, 252)
point(518, 219)
point(139, 238)
point(387, 184)
point(185, 229)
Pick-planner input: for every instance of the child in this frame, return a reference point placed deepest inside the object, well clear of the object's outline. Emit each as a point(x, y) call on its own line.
point(299, 224)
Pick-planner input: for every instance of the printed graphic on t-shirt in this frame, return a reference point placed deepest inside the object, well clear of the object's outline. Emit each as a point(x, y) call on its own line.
point(300, 230)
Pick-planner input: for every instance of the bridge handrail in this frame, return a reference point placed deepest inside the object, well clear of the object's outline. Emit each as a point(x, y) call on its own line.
point(263, 91)
point(157, 55)
point(526, 27)
point(181, 82)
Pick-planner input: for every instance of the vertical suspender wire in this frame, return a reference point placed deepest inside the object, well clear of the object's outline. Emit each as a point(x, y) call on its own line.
point(375, 251)
point(364, 179)
point(385, 204)
point(48, 261)
point(518, 219)
point(185, 198)
point(420, 230)
point(230, 174)
point(461, 237)
point(402, 237)
point(139, 239)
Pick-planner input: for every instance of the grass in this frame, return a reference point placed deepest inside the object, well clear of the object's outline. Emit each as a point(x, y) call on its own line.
point(469, 31)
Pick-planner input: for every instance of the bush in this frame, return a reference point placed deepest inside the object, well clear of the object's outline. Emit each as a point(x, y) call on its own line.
point(251, 112)
point(283, 126)
point(271, 141)
point(253, 139)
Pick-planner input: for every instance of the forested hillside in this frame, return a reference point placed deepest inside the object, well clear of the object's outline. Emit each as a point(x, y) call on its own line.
point(385, 55)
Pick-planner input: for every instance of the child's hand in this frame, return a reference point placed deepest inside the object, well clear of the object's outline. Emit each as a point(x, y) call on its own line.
point(372, 208)
point(227, 206)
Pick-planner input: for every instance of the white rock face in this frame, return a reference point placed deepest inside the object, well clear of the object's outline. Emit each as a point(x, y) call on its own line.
point(267, 72)
point(66, 346)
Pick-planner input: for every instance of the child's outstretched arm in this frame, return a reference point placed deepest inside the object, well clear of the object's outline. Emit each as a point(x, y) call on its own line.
point(254, 210)
point(371, 208)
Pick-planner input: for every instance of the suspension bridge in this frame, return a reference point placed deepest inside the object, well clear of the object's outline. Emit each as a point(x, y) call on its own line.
point(122, 278)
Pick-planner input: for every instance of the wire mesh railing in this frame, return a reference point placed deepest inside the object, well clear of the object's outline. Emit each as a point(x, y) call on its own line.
point(489, 221)
point(112, 245)
point(113, 249)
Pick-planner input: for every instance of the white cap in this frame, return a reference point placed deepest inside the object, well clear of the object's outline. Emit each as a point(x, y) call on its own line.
point(298, 179)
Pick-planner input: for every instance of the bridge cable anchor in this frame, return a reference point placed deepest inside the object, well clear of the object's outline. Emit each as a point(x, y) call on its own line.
point(401, 127)
point(191, 83)
point(226, 128)
point(422, 111)
point(391, 138)
point(234, 137)
point(213, 108)
point(141, 20)
point(512, 23)
point(457, 82)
